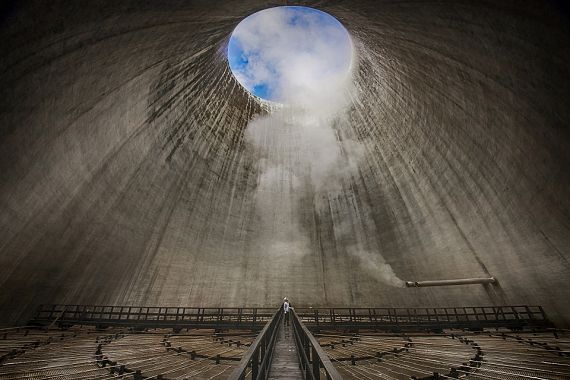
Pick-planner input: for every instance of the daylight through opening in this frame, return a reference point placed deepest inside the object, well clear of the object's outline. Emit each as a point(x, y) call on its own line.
point(283, 53)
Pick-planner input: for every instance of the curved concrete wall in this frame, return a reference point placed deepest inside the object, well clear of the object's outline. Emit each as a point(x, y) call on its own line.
point(129, 174)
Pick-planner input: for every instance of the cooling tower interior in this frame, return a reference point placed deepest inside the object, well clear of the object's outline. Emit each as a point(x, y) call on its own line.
point(130, 173)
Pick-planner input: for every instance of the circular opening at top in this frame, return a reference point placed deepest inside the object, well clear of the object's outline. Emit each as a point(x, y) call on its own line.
point(283, 53)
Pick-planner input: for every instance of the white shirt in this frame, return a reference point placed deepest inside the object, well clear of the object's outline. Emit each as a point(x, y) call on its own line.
point(286, 306)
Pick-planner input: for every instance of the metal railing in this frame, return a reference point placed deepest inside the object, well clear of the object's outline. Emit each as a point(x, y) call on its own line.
point(260, 353)
point(153, 317)
point(424, 318)
point(313, 318)
point(311, 355)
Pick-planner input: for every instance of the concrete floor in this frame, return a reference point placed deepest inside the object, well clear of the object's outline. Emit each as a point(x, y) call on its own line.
point(127, 175)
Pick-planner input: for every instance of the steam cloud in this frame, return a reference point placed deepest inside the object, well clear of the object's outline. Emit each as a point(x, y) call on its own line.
point(374, 265)
point(300, 141)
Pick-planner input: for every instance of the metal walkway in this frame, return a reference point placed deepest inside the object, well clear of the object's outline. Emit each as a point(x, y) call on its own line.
point(285, 352)
point(394, 319)
point(285, 363)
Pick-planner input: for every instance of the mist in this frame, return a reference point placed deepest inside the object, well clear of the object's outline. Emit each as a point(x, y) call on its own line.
point(302, 140)
point(374, 265)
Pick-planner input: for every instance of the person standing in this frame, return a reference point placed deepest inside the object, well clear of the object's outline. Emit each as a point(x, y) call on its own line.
point(286, 307)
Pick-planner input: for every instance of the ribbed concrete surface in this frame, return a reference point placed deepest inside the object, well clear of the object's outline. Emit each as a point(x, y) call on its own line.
point(127, 176)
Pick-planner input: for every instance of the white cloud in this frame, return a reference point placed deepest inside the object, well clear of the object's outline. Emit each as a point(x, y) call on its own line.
point(297, 54)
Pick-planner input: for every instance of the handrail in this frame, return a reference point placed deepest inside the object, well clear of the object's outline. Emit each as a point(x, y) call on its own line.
point(311, 355)
point(148, 316)
point(435, 318)
point(17, 328)
point(425, 318)
point(260, 353)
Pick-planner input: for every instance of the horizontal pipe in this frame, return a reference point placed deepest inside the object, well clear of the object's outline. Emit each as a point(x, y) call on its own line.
point(459, 281)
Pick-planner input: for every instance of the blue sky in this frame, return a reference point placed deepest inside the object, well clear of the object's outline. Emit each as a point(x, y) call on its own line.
point(283, 52)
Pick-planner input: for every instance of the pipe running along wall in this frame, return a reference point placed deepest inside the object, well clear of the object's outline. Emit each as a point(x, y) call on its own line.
point(459, 281)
